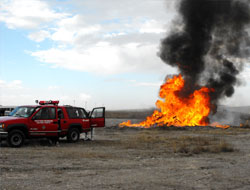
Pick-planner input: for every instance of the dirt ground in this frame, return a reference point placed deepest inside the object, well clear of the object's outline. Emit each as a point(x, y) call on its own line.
point(174, 158)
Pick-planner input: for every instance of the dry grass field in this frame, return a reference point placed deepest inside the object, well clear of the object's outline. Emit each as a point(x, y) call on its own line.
point(128, 158)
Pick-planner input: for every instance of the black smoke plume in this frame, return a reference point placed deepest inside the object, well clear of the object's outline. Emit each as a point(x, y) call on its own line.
point(209, 45)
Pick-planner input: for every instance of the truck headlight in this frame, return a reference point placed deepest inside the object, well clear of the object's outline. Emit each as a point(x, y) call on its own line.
point(1, 126)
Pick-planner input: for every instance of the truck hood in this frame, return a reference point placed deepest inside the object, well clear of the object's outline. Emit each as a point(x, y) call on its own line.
point(7, 119)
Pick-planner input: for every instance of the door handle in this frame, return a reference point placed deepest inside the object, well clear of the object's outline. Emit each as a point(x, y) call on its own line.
point(55, 122)
point(64, 121)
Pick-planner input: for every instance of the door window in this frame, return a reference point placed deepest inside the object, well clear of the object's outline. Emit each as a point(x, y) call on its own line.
point(46, 113)
point(76, 113)
point(97, 113)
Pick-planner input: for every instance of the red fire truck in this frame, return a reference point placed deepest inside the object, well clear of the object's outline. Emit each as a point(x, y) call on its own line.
point(49, 120)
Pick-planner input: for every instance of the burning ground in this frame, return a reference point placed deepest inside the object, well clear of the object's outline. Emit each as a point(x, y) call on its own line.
point(209, 44)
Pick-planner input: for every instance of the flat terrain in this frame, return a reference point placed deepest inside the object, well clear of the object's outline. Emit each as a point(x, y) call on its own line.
point(165, 158)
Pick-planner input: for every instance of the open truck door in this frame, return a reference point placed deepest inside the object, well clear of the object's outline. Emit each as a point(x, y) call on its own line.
point(97, 117)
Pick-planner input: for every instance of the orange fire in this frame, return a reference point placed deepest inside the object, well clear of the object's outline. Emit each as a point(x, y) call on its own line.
point(178, 111)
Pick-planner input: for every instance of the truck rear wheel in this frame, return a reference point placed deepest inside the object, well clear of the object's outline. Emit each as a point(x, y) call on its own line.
point(16, 138)
point(73, 135)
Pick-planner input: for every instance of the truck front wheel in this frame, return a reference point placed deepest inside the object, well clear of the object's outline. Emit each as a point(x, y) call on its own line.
point(16, 138)
point(73, 135)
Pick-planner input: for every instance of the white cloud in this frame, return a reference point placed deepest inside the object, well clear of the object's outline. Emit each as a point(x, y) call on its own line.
point(27, 13)
point(104, 58)
point(39, 36)
point(54, 87)
point(246, 74)
point(113, 34)
point(84, 96)
point(111, 9)
point(134, 82)
point(13, 85)
point(69, 29)
point(152, 26)
point(98, 59)
point(158, 84)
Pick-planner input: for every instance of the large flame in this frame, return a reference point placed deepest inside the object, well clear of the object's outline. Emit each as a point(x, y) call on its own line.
point(178, 111)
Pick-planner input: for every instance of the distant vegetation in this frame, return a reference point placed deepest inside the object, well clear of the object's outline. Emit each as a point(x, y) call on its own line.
point(131, 114)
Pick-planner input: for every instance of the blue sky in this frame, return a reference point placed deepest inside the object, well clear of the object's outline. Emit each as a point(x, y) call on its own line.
point(88, 53)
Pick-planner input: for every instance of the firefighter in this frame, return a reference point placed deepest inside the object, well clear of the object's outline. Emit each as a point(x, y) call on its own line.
point(55, 140)
point(60, 116)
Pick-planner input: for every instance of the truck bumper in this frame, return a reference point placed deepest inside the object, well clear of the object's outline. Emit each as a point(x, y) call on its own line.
point(3, 135)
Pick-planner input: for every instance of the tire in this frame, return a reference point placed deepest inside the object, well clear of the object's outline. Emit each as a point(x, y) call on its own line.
point(73, 135)
point(16, 138)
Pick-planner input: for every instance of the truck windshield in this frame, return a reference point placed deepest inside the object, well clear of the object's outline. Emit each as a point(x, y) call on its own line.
point(23, 111)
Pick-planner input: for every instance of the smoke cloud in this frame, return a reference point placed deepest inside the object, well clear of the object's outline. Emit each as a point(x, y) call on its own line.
point(209, 45)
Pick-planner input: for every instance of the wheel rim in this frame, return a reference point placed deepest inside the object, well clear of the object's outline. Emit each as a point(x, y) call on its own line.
point(16, 139)
point(74, 135)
